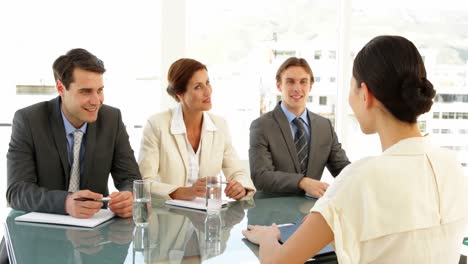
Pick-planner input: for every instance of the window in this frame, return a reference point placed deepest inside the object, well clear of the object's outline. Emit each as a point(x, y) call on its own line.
point(436, 131)
point(332, 54)
point(35, 89)
point(278, 98)
point(435, 115)
point(309, 99)
point(445, 131)
point(422, 126)
point(317, 79)
point(322, 100)
point(318, 54)
point(332, 79)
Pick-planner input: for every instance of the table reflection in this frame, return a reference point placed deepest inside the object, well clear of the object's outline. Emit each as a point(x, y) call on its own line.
point(107, 243)
point(188, 236)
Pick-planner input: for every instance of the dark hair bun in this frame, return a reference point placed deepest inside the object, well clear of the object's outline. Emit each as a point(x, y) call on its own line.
point(417, 95)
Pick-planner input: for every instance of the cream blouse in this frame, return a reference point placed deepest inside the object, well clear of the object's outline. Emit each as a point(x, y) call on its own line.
point(404, 206)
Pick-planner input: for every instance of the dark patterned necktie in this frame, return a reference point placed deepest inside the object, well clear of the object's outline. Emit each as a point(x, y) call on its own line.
point(300, 140)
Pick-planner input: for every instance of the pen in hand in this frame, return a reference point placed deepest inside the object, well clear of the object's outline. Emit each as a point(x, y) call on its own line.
point(102, 200)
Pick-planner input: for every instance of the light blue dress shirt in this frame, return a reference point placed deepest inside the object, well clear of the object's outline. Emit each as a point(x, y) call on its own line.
point(290, 116)
point(69, 129)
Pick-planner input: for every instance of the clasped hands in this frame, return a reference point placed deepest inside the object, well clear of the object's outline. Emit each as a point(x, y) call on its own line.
point(121, 203)
point(233, 190)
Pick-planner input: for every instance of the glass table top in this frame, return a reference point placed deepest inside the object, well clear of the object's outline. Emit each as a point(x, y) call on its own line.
point(173, 235)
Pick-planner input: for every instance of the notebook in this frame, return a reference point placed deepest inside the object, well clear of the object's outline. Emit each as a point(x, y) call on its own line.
point(198, 203)
point(66, 220)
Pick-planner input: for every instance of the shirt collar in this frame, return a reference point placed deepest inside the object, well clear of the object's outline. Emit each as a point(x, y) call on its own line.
point(69, 128)
point(290, 116)
point(410, 146)
point(178, 125)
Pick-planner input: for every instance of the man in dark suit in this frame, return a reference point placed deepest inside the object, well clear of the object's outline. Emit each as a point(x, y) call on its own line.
point(65, 148)
point(290, 146)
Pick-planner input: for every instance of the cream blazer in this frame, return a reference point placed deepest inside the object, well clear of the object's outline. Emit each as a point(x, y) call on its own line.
point(163, 155)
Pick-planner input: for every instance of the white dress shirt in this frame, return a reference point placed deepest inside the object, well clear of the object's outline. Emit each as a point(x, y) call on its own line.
point(178, 127)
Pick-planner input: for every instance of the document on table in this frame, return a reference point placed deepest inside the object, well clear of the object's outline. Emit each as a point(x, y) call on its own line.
point(198, 203)
point(100, 217)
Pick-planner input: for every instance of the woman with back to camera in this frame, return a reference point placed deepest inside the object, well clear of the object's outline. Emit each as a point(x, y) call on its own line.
point(403, 206)
point(182, 146)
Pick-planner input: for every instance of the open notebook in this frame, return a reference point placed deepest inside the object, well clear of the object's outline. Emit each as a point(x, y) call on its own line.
point(198, 203)
point(102, 216)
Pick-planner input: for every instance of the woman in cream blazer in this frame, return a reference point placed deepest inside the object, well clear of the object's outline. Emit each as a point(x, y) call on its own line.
point(182, 146)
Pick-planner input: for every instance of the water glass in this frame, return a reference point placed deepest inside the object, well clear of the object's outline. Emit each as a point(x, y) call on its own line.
point(141, 202)
point(213, 199)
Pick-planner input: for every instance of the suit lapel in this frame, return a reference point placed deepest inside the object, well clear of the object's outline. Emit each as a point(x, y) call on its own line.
point(89, 153)
point(313, 148)
point(59, 137)
point(287, 136)
point(182, 147)
point(206, 146)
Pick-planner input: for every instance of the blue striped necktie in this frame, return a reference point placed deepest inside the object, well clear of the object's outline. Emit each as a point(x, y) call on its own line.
point(300, 140)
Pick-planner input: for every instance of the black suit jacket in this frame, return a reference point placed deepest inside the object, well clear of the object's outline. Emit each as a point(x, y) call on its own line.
point(274, 164)
point(37, 159)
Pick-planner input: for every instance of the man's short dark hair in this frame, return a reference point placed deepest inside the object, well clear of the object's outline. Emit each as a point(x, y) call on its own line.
point(293, 61)
point(64, 65)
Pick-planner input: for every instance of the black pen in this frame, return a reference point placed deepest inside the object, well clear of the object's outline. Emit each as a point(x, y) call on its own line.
point(102, 200)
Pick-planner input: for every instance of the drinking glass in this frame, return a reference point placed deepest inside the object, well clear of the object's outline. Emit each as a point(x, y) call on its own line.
point(141, 202)
point(213, 199)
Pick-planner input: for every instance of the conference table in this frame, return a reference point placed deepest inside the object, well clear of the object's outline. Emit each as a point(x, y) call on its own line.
point(173, 235)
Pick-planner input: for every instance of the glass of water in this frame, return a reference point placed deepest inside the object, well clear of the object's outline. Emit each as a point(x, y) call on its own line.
point(213, 199)
point(141, 202)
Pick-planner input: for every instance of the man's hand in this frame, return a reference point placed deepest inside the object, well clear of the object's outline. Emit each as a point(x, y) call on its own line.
point(235, 190)
point(83, 209)
point(313, 187)
point(121, 203)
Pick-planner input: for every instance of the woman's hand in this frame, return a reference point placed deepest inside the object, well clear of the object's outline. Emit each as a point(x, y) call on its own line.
point(189, 193)
point(256, 234)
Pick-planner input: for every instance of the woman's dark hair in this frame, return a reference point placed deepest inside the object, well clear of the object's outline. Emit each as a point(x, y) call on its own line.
point(394, 72)
point(179, 75)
